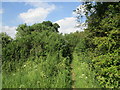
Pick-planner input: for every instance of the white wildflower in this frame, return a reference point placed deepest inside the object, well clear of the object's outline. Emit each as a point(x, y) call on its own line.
point(24, 66)
point(83, 74)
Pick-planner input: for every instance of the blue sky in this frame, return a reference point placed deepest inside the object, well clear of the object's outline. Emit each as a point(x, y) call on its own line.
point(13, 9)
point(15, 13)
point(11, 12)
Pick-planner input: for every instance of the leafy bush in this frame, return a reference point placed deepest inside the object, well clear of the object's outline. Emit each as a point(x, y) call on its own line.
point(107, 68)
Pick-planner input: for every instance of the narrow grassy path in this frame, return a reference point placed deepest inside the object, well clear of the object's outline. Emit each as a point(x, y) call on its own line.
point(82, 76)
point(73, 76)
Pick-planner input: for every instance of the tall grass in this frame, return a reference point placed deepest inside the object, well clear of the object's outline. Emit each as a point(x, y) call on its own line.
point(41, 72)
point(83, 76)
point(0, 80)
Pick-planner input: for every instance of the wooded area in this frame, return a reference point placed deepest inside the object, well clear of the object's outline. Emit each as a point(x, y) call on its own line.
point(41, 57)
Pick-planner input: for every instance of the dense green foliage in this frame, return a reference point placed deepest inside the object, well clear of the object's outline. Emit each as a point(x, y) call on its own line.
point(103, 41)
point(40, 57)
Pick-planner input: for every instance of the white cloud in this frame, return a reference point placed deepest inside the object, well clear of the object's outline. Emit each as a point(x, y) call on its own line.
point(68, 25)
point(36, 14)
point(1, 11)
point(40, 4)
point(11, 31)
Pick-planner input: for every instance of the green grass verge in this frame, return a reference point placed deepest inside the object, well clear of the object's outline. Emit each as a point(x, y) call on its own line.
point(40, 73)
point(83, 76)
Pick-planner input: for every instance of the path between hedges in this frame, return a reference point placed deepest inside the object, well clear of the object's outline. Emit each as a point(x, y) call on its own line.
point(73, 76)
